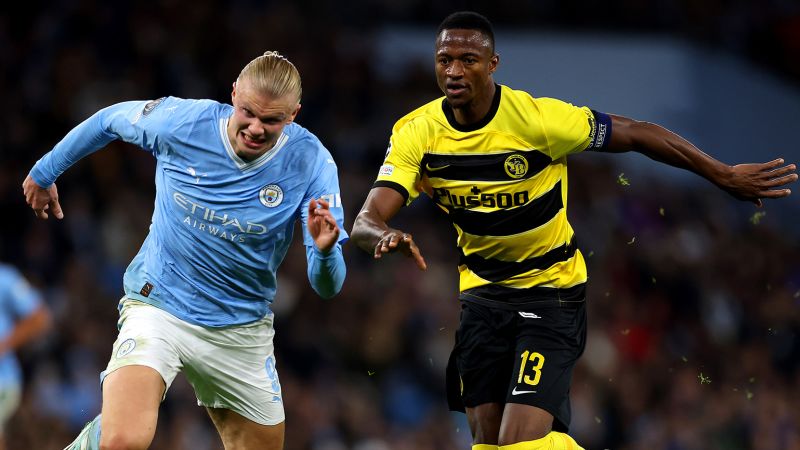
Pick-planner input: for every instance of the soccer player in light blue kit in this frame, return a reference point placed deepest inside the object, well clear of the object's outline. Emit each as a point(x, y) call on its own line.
point(23, 318)
point(231, 181)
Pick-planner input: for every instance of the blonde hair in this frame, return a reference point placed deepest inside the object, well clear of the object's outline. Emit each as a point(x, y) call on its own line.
point(272, 74)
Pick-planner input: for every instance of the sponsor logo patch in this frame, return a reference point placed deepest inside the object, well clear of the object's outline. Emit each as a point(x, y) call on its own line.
point(146, 289)
point(386, 169)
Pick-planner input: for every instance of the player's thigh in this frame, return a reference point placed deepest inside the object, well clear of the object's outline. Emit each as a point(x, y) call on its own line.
point(240, 433)
point(483, 356)
point(548, 346)
point(143, 363)
point(484, 422)
point(235, 369)
point(131, 397)
point(479, 368)
point(523, 423)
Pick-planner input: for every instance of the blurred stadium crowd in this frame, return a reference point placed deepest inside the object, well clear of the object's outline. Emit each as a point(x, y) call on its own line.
point(694, 300)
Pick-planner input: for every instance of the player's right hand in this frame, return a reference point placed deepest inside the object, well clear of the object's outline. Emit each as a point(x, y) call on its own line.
point(396, 240)
point(752, 182)
point(41, 200)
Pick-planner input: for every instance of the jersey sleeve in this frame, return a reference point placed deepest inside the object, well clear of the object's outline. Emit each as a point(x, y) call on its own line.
point(21, 299)
point(325, 185)
point(402, 164)
point(570, 129)
point(135, 122)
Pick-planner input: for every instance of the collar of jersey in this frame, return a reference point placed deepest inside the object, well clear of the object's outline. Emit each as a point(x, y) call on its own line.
point(256, 163)
point(451, 117)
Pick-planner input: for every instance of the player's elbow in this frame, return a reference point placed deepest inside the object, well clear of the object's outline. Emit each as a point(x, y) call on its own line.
point(629, 134)
point(327, 295)
point(328, 292)
point(41, 321)
point(329, 286)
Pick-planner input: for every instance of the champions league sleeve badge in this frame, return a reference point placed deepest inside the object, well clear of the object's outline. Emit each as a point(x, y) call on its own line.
point(271, 195)
point(150, 106)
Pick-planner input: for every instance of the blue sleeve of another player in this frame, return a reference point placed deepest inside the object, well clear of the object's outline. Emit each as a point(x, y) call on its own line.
point(22, 298)
point(326, 272)
point(121, 121)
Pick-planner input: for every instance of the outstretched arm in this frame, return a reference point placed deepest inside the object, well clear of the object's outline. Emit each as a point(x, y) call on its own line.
point(39, 186)
point(126, 121)
point(372, 233)
point(749, 182)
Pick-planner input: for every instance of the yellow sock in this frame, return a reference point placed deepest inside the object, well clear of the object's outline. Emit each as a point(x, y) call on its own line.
point(553, 441)
point(484, 447)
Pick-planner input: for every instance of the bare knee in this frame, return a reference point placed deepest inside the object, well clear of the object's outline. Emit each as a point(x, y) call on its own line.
point(524, 423)
point(484, 422)
point(125, 440)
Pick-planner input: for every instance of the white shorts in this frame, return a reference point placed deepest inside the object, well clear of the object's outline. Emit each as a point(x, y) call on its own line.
point(10, 396)
point(231, 368)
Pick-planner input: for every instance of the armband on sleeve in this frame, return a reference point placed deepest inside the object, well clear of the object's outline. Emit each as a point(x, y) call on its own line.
point(601, 134)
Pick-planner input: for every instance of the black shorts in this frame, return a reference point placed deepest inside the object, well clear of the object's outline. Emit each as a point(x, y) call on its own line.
point(509, 356)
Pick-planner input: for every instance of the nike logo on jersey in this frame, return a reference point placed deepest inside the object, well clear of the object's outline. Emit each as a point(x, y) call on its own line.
point(529, 315)
point(434, 169)
point(196, 175)
point(516, 392)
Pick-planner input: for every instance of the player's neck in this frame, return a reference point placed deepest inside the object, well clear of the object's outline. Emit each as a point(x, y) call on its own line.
point(477, 109)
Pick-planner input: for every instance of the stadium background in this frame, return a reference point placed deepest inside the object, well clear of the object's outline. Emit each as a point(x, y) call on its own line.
point(694, 298)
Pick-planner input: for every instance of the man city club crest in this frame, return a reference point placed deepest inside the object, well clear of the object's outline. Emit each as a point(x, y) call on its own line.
point(126, 348)
point(271, 195)
point(516, 166)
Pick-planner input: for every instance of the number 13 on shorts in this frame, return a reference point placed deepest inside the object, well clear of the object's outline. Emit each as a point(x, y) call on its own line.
point(531, 362)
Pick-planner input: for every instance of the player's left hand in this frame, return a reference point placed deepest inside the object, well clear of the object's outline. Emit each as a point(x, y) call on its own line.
point(752, 182)
point(322, 225)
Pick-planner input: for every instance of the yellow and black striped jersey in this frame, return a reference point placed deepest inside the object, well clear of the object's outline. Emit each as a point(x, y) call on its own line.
point(503, 184)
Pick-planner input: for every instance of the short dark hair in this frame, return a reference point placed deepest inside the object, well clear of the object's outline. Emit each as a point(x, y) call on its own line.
point(468, 20)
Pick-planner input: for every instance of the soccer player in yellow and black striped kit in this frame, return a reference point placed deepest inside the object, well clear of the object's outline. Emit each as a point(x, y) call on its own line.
point(494, 160)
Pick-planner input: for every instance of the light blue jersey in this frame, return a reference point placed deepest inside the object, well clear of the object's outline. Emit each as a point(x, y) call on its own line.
point(18, 300)
point(221, 225)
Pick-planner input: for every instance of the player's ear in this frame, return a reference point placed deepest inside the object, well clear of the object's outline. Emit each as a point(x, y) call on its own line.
point(294, 113)
point(494, 62)
point(233, 91)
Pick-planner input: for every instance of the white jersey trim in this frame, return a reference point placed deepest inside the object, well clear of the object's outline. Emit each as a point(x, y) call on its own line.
point(243, 165)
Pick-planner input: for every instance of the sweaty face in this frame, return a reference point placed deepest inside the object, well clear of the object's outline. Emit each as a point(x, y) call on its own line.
point(258, 120)
point(465, 62)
